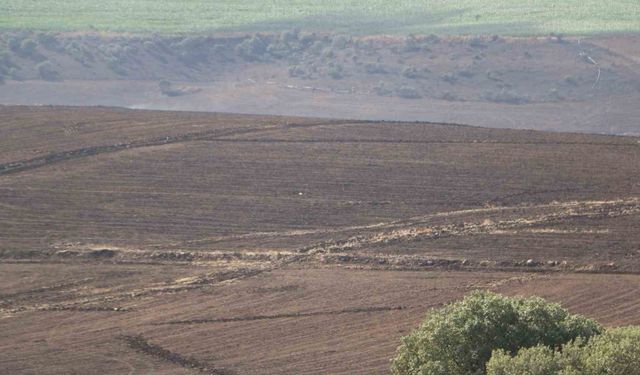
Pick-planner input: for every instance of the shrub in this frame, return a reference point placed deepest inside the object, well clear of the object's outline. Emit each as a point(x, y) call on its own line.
point(29, 48)
point(193, 50)
point(506, 96)
point(615, 352)
point(571, 80)
point(450, 78)
point(14, 43)
point(382, 90)
point(408, 92)
point(316, 47)
point(460, 338)
point(465, 73)
point(477, 43)
point(339, 42)
point(78, 52)
point(166, 88)
point(279, 49)
point(335, 71)
point(49, 42)
point(115, 64)
point(47, 71)
point(375, 68)
point(449, 96)
point(411, 44)
point(296, 71)
point(252, 49)
point(412, 72)
point(15, 74)
point(5, 59)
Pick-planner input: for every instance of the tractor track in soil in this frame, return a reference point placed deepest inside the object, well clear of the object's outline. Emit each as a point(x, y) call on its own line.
point(357, 310)
point(144, 346)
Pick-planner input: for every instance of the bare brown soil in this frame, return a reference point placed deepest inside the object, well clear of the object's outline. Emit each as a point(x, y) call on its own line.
point(181, 243)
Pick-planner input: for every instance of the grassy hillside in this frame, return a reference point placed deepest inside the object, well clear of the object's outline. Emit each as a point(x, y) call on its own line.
point(512, 17)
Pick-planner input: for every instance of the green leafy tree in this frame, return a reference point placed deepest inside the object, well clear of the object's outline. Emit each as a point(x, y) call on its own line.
point(615, 352)
point(539, 360)
point(460, 338)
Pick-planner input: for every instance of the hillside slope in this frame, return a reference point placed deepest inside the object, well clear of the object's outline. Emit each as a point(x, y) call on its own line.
point(183, 243)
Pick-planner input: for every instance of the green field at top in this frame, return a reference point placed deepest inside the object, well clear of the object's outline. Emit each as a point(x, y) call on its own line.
point(505, 17)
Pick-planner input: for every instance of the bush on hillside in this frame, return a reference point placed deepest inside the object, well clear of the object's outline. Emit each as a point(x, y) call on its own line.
point(16, 75)
point(193, 50)
point(506, 96)
point(48, 72)
point(460, 338)
point(49, 41)
point(29, 49)
point(5, 61)
point(335, 71)
point(408, 92)
point(252, 49)
point(412, 72)
point(14, 43)
point(615, 352)
point(375, 68)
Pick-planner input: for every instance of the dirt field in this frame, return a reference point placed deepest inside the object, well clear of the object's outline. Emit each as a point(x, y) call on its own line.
point(178, 243)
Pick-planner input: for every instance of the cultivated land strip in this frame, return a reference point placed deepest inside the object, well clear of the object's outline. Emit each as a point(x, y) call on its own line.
point(216, 135)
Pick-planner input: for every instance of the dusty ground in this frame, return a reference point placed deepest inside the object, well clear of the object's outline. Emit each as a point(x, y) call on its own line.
point(176, 243)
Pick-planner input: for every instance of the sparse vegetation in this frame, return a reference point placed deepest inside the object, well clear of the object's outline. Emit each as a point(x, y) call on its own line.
point(193, 50)
point(47, 71)
point(28, 47)
point(413, 72)
point(450, 78)
point(49, 41)
point(408, 92)
point(506, 96)
point(252, 49)
point(375, 68)
point(14, 43)
point(335, 71)
point(571, 80)
point(381, 89)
